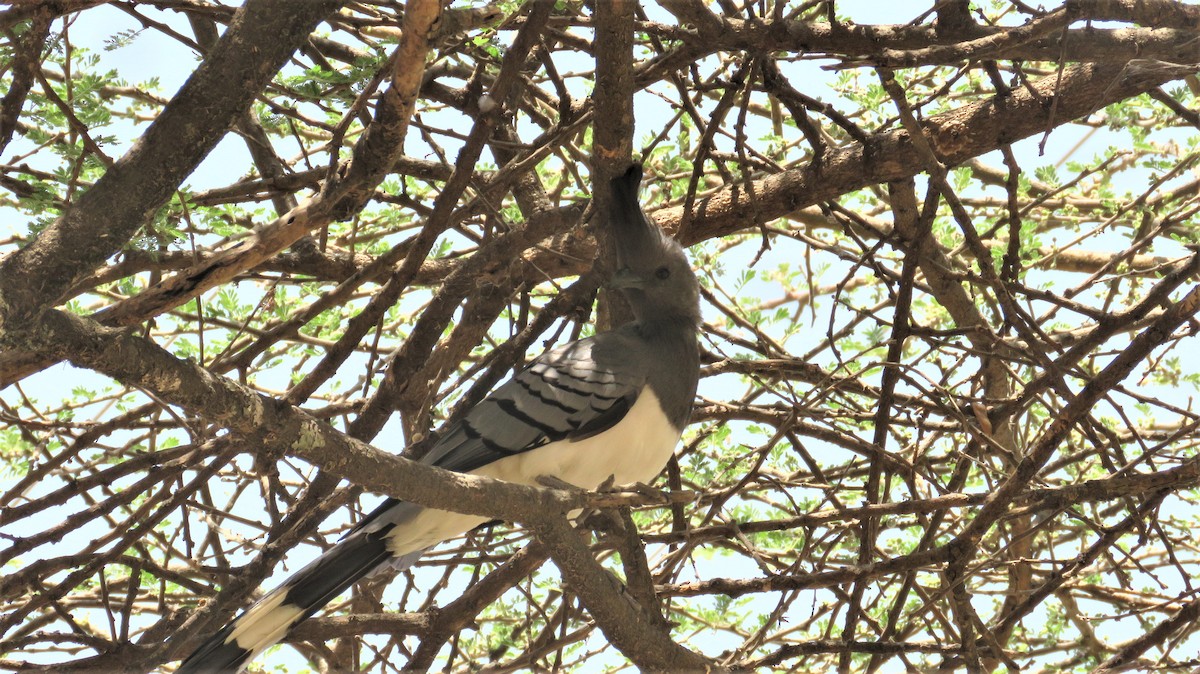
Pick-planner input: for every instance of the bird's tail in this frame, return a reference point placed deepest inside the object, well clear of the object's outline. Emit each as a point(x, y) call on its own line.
point(362, 552)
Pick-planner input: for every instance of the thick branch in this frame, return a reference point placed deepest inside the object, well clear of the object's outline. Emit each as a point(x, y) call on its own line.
point(107, 216)
point(276, 427)
point(638, 636)
point(957, 135)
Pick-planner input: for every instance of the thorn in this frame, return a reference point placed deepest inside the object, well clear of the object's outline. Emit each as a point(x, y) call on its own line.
point(553, 482)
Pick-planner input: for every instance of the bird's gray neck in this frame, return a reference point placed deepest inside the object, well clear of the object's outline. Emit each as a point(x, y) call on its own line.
point(673, 367)
point(667, 327)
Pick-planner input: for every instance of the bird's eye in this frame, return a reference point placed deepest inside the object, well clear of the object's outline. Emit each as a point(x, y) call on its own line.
point(662, 273)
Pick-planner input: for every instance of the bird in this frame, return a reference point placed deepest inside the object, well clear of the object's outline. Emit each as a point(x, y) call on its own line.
point(605, 409)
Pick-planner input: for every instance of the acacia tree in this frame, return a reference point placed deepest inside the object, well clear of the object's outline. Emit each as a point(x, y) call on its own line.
point(949, 279)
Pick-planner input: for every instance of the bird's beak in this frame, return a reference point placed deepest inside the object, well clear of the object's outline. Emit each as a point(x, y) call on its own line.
point(624, 278)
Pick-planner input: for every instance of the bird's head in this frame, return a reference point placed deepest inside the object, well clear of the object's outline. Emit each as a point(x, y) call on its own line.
point(652, 270)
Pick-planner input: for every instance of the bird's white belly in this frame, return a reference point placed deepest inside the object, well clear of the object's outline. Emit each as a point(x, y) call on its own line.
point(634, 450)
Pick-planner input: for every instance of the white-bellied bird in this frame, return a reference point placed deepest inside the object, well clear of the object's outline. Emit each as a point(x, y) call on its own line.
point(611, 405)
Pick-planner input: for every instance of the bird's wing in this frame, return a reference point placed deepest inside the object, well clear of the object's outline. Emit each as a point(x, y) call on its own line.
point(570, 393)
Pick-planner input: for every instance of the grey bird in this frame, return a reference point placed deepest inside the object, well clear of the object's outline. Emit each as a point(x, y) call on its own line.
point(611, 405)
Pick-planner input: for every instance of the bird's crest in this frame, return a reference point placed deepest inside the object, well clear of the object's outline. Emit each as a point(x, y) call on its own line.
point(651, 268)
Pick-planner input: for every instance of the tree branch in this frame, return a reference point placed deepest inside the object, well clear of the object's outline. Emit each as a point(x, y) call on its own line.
point(106, 216)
